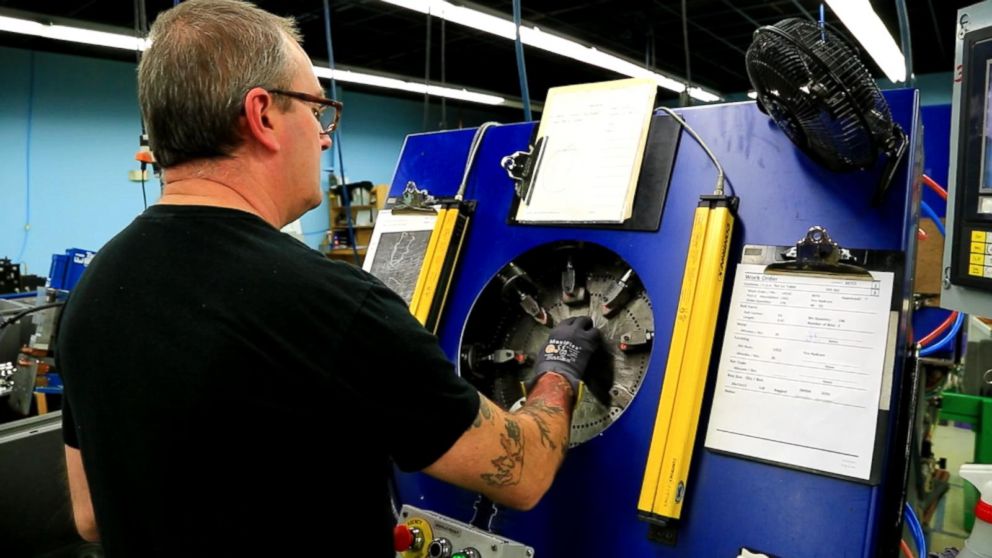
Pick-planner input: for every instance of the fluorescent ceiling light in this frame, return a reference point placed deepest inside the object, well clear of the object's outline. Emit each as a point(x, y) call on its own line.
point(129, 42)
point(862, 21)
point(554, 43)
point(72, 34)
point(350, 76)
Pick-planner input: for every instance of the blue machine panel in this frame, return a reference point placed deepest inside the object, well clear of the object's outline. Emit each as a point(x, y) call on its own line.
point(731, 502)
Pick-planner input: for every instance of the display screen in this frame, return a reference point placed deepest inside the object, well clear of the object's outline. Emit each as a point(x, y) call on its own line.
point(986, 186)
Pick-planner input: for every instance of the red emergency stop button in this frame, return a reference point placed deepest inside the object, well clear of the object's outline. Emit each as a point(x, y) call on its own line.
point(407, 538)
point(402, 538)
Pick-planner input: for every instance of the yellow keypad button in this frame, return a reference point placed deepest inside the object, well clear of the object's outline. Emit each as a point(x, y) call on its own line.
point(978, 236)
point(977, 247)
point(978, 259)
point(976, 270)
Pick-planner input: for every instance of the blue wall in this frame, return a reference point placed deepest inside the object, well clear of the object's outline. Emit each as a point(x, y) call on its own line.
point(69, 130)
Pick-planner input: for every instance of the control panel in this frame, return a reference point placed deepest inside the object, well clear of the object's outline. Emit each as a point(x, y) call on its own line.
point(426, 534)
point(972, 185)
point(967, 266)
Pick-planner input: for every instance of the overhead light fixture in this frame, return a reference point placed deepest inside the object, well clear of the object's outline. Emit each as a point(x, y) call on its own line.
point(551, 42)
point(752, 94)
point(129, 42)
point(351, 76)
point(72, 34)
point(862, 21)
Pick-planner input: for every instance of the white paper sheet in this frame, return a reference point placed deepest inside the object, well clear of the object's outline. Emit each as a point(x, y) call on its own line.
point(593, 148)
point(801, 370)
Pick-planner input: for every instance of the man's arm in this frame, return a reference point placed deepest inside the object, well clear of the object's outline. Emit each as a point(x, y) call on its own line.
point(79, 492)
point(512, 458)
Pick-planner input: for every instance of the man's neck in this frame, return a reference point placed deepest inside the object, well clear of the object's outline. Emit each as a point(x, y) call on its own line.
point(189, 185)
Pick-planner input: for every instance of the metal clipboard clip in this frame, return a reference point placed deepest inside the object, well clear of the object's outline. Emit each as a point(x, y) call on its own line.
point(817, 254)
point(522, 167)
point(414, 200)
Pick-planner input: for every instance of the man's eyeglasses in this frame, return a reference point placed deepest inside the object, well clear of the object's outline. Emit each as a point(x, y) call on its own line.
point(327, 112)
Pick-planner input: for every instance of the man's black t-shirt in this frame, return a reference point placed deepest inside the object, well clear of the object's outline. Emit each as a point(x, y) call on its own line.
point(235, 393)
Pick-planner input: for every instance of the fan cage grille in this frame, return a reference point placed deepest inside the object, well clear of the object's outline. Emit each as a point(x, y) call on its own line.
point(822, 95)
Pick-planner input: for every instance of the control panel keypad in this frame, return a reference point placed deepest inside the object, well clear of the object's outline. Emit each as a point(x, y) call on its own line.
point(980, 254)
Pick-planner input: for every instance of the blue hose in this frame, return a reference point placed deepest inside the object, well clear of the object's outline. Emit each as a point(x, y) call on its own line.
point(929, 212)
point(916, 529)
point(944, 341)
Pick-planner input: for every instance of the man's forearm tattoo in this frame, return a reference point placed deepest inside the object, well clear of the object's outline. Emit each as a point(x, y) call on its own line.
point(485, 413)
point(550, 399)
point(540, 410)
point(510, 465)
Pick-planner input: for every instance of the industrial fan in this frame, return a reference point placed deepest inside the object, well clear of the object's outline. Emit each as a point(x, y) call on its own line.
point(815, 87)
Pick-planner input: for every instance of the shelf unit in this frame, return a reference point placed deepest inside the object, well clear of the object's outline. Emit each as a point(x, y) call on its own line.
point(336, 244)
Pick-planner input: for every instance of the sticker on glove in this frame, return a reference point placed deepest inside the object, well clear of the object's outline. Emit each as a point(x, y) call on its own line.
point(561, 350)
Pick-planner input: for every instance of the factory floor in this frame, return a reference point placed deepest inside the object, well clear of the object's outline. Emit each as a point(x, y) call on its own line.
point(947, 527)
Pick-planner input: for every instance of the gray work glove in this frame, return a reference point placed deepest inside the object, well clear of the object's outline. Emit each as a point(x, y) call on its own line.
point(570, 346)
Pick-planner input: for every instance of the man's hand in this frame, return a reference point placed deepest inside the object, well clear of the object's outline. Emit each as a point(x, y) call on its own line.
point(570, 346)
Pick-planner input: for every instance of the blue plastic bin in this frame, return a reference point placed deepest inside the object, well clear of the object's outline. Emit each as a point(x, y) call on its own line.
point(68, 268)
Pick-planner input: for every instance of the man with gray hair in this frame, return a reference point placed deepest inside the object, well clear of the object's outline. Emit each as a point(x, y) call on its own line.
point(220, 376)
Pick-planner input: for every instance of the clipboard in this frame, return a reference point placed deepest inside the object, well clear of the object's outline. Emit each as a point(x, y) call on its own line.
point(813, 371)
point(653, 180)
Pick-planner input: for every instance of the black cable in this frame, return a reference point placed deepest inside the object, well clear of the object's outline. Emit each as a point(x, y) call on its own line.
point(334, 88)
point(427, 72)
point(649, 49)
point(394, 498)
point(521, 66)
point(32, 310)
point(143, 17)
point(346, 202)
point(444, 81)
point(654, 50)
point(140, 32)
point(936, 29)
point(27, 162)
point(21, 314)
point(687, 100)
point(144, 195)
point(803, 10)
point(137, 30)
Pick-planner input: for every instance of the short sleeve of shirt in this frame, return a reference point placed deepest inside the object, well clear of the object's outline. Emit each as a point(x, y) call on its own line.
point(425, 405)
point(68, 425)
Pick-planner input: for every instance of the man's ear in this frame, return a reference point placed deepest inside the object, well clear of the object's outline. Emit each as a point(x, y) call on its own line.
point(261, 117)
